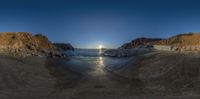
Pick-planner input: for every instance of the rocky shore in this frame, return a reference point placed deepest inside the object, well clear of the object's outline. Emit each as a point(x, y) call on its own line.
point(25, 44)
point(148, 73)
point(184, 43)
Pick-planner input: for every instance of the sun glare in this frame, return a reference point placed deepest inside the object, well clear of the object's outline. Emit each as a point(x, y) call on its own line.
point(100, 46)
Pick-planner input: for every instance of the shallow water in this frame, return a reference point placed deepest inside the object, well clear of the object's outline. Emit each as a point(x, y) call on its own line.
point(85, 60)
point(97, 77)
point(96, 64)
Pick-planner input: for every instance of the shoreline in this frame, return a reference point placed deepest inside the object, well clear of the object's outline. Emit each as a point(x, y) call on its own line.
point(154, 75)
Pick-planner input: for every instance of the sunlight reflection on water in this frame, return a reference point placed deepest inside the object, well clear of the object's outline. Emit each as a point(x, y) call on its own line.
point(100, 51)
point(95, 65)
point(99, 68)
point(101, 62)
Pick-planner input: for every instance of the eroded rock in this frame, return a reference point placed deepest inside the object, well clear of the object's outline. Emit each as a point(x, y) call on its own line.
point(25, 44)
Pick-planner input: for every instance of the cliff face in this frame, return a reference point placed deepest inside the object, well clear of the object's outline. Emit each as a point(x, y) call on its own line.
point(25, 44)
point(183, 42)
point(138, 42)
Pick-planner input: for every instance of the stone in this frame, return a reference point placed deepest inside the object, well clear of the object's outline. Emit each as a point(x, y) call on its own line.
point(25, 44)
point(139, 42)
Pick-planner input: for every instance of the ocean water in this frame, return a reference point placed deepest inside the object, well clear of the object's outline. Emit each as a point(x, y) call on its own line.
point(84, 52)
point(85, 60)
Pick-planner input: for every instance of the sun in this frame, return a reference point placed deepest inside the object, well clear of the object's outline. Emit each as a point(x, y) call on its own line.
point(100, 46)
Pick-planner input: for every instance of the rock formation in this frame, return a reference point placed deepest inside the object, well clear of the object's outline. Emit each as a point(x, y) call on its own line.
point(25, 44)
point(135, 47)
point(63, 46)
point(182, 42)
point(138, 42)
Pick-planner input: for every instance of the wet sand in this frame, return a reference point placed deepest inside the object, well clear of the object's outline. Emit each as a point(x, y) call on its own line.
point(140, 77)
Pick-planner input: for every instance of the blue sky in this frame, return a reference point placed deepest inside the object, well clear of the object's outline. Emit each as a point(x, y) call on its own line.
point(87, 23)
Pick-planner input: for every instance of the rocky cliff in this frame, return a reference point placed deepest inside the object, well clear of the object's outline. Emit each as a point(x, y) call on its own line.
point(135, 47)
point(183, 42)
point(138, 42)
point(25, 44)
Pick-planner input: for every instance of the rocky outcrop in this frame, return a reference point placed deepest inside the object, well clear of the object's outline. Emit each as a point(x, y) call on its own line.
point(182, 42)
point(63, 46)
point(25, 44)
point(135, 47)
point(139, 42)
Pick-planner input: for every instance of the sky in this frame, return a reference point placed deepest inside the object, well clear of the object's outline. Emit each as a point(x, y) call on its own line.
point(88, 23)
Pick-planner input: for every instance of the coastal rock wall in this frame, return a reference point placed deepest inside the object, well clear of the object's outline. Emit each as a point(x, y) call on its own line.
point(25, 44)
point(181, 42)
point(187, 39)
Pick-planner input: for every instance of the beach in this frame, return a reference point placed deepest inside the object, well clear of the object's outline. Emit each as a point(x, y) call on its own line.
point(97, 77)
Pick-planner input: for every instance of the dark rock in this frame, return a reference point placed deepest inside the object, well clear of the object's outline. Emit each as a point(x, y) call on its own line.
point(63, 46)
point(139, 42)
